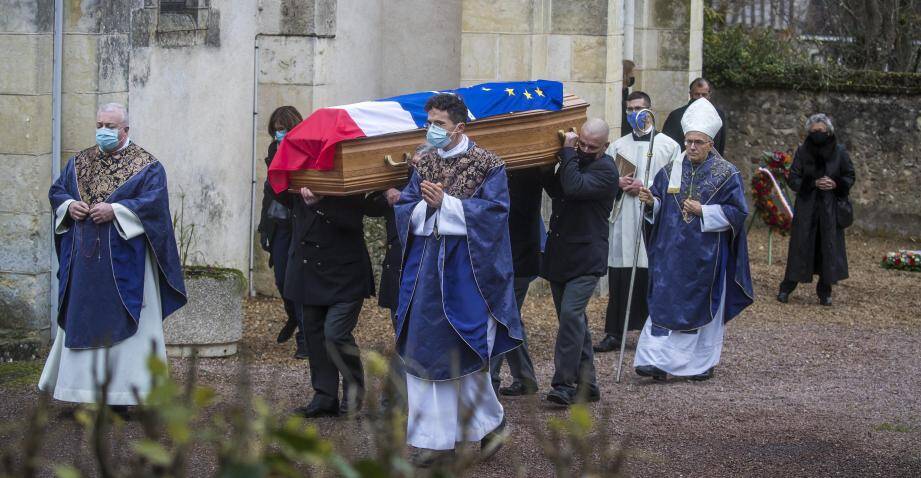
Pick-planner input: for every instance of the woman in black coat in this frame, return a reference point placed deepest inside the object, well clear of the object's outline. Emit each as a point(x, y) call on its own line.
point(822, 175)
point(275, 227)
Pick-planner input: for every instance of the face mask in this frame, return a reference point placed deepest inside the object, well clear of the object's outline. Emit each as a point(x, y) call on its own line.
point(631, 81)
point(818, 138)
point(107, 139)
point(636, 119)
point(437, 136)
point(583, 155)
point(280, 134)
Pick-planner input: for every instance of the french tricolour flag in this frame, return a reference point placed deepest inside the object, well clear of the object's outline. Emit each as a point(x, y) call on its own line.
point(312, 143)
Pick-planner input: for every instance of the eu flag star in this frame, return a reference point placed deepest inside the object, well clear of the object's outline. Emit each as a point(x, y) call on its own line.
point(510, 91)
point(539, 92)
point(528, 95)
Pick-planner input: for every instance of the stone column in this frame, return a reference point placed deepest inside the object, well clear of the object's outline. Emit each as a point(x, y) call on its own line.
point(25, 162)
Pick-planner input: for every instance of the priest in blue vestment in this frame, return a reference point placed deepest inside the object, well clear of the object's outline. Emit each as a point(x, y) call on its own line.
point(456, 307)
point(698, 255)
point(119, 273)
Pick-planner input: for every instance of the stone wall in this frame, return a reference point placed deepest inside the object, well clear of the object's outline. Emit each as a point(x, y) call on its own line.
point(881, 132)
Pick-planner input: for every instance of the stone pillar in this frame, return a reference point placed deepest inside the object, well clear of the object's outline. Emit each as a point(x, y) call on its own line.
point(25, 162)
point(668, 51)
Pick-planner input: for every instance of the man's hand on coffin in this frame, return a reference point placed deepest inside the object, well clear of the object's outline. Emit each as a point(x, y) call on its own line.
point(691, 206)
point(102, 212)
point(78, 210)
point(309, 197)
point(392, 196)
point(432, 193)
point(645, 196)
point(570, 140)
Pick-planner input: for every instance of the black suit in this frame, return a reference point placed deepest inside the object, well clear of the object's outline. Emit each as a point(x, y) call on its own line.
point(389, 290)
point(524, 224)
point(329, 272)
point(674, 130)
point(576, 255)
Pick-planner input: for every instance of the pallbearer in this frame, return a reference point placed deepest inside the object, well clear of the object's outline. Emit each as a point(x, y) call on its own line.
point(456, 308)
point(698, 256)
point(630, 155)
point(119, 268)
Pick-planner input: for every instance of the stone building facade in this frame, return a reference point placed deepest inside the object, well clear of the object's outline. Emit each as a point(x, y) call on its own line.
point(200, 78)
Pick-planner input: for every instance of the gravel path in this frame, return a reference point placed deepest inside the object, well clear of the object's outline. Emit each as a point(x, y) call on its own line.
point(801, 390)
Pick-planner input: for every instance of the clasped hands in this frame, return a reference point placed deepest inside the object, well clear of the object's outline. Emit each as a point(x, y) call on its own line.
point(99, 213)
point(825, 183)
point(689, 206)
point(432, 193)
point(630, 185)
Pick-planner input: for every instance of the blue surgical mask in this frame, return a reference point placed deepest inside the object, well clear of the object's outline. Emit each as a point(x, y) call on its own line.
point(107, 139)
point(437, 136)
point(636, 119)
point(280, 134)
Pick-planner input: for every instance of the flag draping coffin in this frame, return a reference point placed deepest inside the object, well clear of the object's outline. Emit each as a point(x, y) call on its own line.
point(365, 146)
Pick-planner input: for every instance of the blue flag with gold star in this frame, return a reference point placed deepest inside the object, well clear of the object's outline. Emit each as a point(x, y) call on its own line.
point(491, 99)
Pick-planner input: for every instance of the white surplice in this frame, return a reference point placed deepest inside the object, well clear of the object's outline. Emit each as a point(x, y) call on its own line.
point(443, 413)
point(75, 375)
point(678, 353)
point(628, 209)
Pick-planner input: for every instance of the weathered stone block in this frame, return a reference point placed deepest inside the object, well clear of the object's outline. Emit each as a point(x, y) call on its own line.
point(478, 56)
point(580, 17)
point(112, 55)
point(25, 64)
point(212, 321)
point(25, 242)
point(272, 96)
point(668, 90)
point(593, 93)
point(674, 53)
point(507, 16)
point(559, 57)
point(27, 16)
point(26, 124)
point(99, 16)
point(646, 49)
point(24, 300)
point(78, 120)
point(297, 17)
point(589, 58)
point(286, 60)
point(514, 57)
point(80, 71)
point(24, 183)
point(671, 14)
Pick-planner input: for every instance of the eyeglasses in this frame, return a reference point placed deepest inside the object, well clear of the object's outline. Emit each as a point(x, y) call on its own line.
point(695, 142)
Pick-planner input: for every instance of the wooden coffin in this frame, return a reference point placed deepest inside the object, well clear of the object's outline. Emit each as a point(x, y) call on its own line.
point(523, 140)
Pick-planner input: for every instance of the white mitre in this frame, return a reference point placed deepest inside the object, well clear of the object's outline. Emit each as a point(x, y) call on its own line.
point(701, 117)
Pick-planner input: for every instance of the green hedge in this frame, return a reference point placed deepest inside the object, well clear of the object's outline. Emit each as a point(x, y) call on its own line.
point(740, 57)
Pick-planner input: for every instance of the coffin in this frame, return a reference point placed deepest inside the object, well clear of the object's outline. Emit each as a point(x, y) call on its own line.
point(522, 140)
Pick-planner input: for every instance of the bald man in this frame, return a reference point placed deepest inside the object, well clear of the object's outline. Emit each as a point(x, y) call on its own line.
point(583, 187)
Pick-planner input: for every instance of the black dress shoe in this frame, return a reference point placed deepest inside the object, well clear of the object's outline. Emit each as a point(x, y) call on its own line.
point(826, 301)
point(517, 389)
point(702, 376)
point(425, 458)
point(286, 331)
point(783, 297)
point(123, 411)
point(346, 407)
point(317, 410)
point(593, 394)
point(651, 371)
point(560, 397)
point(493, 441)
point(608, 344)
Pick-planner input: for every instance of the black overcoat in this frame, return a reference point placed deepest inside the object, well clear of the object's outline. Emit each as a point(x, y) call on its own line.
point(816, 241)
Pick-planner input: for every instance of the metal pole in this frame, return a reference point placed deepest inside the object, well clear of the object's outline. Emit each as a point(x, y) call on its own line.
point(770, 245)
point(57, 61)
point(252, 204)
point(636, 251)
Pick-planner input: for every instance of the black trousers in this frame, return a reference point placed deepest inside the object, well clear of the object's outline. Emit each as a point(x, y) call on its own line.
point(618, 290)
point(519, 360)
point(572, 356)
point(333, 351)
point(280, 242)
